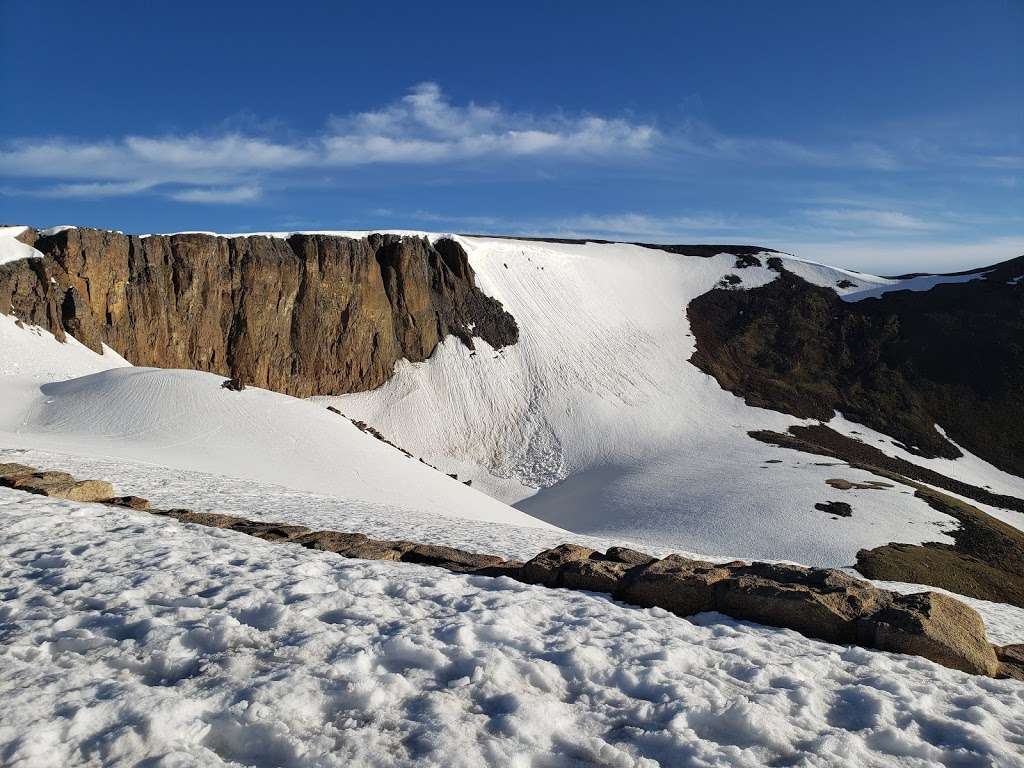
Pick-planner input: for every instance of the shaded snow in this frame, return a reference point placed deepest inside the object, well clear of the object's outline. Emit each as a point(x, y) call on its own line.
point(130, 640)
point(187, 420)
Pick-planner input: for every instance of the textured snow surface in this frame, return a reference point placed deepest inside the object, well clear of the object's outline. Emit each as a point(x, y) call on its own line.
point(131, 640)
point(65, 397)
point(598, 406)
point(172, 488)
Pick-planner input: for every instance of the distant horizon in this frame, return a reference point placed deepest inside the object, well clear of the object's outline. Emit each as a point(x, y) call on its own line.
point(968, 265)
point(874, 136)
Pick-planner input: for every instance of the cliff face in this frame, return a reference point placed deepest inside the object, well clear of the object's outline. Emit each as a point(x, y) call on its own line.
point(311, 314)
point(901, 363)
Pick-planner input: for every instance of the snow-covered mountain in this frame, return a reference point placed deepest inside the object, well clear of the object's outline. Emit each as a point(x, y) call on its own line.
point(590, 423)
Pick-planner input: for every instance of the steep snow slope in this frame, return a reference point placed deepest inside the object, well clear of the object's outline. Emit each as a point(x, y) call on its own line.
point(131, 640)
point(185, 419)
point(598, 406)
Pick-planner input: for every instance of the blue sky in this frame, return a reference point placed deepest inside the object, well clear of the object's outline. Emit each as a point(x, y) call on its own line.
point(882, 136)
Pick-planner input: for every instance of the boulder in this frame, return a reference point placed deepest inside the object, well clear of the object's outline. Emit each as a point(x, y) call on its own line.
point(821, 603)
point(60, 485)
point(596, 574)
point(11, 470)
point(544, 568)
point(1011, 661)
point(209, 519)
point(452, 559)
point(675, 583)
point(627, 555)
point(269, 531)
point(839, 508)
point(131, 502)
point(934, 626)
point(354, 545)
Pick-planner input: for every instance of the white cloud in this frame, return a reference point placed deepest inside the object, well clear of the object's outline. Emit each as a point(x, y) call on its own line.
point(218, 195)
point(96, 189)
point(422, 127)
point(872, 219)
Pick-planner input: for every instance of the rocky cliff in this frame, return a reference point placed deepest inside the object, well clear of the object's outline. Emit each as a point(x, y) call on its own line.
point(306, 315)
point(902, 363)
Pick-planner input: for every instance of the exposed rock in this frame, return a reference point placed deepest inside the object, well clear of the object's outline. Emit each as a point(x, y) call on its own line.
point(131, 502)
point(13, 470)
point(452, 559)
point(235, 385)
point(544, 568)
point(311, 314)
point(824, 441)
point(839, 508)
point(1011, 661)
point(594, 575)
point(675, 583)
point(354, 545)
point(627, 555)
point(848, 485)
point(820, 603)
point(209, 519)
point(899, 363)
point(59, 485)
point(268, 531)
point(934, 626)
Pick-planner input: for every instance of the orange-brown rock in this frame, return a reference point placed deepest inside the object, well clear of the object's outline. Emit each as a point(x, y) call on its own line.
point(305, 315)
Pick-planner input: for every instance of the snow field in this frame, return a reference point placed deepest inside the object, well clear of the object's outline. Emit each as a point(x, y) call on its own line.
point(130, 639)
point(186, 420)
point(598, 407)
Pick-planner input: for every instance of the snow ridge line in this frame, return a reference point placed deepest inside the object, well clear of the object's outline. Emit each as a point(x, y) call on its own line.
point(822, 603)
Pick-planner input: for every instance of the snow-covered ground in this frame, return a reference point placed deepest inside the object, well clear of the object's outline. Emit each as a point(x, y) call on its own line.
point(132, 640)
point(186, 420)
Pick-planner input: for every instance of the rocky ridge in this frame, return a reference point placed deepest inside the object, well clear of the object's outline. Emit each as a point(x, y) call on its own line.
point(899, 363)
point(309, 314)
point(822, 603)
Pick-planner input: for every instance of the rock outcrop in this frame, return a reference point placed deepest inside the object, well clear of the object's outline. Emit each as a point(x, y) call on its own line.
point(59, 485)
point(305, 315)
point(827, 604)
point(900, 363)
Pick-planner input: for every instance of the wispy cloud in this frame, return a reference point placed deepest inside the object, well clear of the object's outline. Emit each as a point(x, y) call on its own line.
point(218, 195)
point(426, 128)
point(95, 189)
point(423, 127)
point(872, 219)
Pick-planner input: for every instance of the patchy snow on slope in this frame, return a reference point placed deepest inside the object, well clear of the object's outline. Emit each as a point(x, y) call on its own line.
point(598, 406)
point(857, 286)
point(968, 468)
point(131, 640)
